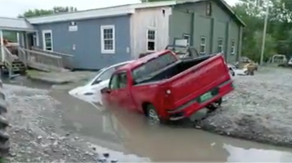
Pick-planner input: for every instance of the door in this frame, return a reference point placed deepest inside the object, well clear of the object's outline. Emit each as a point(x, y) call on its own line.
point(30, 40)
point(120, 95)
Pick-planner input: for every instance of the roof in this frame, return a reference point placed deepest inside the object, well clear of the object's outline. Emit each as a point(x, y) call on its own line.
point(100, 12)
point(119, 10)
point(229, 9)
point(15, 24)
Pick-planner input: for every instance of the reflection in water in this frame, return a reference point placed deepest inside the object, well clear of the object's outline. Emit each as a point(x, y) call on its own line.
point(257, 155)
point(166, 143)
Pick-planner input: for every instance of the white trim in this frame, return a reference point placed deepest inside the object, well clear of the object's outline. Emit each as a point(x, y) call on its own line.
point(44, 41)
point(22, 39)
point(88, 14)
point(2, 45)
point(18, 38)
point(221, 46)
point(38, 38)
point(233, 48)
point(201, 44)
point(113, 11)
point(155, 39)
point(103, 50)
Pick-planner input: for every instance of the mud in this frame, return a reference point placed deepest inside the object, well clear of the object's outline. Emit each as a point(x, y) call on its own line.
point(129, 134)
point(48, 125)
point(259, 109)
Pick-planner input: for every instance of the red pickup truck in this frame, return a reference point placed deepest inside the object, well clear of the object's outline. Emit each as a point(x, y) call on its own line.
point(164, 87)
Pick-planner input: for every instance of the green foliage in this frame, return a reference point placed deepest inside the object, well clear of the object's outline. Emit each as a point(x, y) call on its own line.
point(42, 12)
point(10, 35)
point(279, 32)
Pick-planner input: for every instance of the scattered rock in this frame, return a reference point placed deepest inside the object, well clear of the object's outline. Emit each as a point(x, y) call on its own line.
point(259, 109)
point(33, 115)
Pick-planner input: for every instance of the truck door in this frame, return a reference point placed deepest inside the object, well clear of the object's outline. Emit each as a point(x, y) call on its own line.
point(120, 92)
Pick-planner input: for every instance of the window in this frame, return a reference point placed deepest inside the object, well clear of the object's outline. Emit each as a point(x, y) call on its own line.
point(106, 75)
point(209, 9)
point(47, 40)
point(118, 81)
point(187, 37)
point(147, 70)
point(203, 45)
point(232, 50)
point(107, 39)
point(151, 40)
point(220, 45)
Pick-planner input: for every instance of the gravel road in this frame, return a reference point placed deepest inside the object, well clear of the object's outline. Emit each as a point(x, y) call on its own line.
point(259, 109)
point(34, 118)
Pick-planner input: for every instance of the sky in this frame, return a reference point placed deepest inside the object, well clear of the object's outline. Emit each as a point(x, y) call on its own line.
point(12, 8)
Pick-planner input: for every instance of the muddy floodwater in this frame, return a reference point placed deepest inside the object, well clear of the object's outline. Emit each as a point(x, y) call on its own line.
point(121, 133)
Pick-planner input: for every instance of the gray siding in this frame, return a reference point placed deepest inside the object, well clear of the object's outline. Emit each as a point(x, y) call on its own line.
point(87, 41)
point(191, 18)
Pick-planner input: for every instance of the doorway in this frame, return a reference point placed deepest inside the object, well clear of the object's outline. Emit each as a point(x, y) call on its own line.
point(32, 40)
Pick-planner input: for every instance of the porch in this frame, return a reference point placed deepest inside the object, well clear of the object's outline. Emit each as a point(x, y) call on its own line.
point(22, 48)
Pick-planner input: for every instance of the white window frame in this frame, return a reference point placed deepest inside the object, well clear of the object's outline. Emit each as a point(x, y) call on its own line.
point(201, 44)
point(209, 9)
point(221, 46)
point(44, 40)
point(188, 37)
point(155, 39)
point(103, 50)
point(233, 47)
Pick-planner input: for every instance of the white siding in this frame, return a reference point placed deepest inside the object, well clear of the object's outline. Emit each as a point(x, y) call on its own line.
point(149, 18)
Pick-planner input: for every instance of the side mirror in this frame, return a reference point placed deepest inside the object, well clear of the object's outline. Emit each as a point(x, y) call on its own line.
point(105, 90)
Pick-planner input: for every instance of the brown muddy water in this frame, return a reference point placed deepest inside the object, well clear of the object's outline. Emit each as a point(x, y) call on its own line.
point(120, 132)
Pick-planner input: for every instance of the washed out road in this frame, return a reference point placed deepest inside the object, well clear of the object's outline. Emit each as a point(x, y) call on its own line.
point(50, 125)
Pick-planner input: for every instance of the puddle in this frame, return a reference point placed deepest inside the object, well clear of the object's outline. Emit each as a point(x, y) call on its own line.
point(128, 136)
point(131, 134)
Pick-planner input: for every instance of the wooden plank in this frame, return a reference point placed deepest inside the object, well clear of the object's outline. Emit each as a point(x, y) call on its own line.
point(42, 54)
point(56, 53)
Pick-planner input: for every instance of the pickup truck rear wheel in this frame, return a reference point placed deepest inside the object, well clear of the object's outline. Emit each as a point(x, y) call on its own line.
point(152, 114)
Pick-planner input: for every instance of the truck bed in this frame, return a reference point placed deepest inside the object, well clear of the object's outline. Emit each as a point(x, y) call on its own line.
point(174, 69)
point(191, 78)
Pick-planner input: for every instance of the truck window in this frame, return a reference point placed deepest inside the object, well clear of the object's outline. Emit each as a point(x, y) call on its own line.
point(153, 66)
point(118, 81)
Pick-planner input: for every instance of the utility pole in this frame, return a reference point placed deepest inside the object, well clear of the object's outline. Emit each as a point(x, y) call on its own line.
point(264, 35)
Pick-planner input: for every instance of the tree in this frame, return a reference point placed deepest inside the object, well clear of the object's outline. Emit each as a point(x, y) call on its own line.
point(42, 12)
point(279, 33)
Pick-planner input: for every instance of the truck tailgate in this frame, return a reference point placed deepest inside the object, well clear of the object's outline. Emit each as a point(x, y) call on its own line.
point(198, 77)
